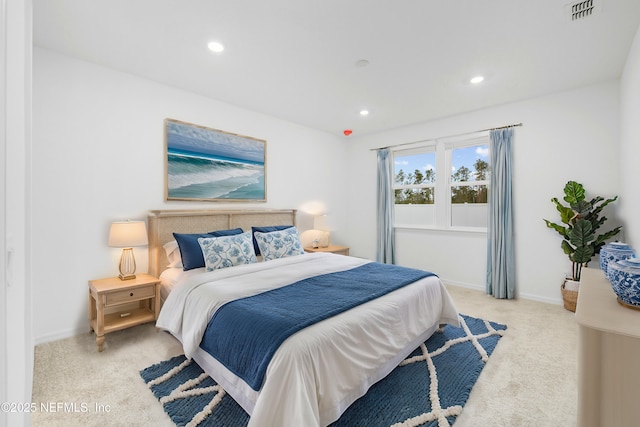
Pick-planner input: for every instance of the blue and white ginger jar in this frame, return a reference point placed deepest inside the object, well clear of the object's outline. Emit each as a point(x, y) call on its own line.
point(625, 280)
point(613, 252)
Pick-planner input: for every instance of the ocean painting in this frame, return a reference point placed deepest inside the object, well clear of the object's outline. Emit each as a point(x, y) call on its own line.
point(212, 165)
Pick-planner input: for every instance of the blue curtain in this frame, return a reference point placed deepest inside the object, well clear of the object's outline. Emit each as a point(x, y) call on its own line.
point(501, 278)
point(386, 200)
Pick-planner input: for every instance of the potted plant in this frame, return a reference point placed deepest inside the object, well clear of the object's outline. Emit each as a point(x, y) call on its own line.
point(580, 241)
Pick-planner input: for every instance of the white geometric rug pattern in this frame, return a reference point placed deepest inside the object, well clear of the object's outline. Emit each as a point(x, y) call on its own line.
point(437, 412)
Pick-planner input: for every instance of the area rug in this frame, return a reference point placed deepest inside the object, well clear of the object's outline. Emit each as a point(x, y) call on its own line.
point(429, 388)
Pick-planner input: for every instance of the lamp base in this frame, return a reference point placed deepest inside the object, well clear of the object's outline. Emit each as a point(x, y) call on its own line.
point(127, 265)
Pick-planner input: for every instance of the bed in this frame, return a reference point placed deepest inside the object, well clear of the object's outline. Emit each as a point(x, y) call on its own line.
point(316, 372)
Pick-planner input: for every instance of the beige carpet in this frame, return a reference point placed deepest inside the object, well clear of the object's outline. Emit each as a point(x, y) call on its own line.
point(530, 380)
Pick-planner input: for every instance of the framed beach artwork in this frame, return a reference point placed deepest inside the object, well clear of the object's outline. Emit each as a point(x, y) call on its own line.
point(205, 164)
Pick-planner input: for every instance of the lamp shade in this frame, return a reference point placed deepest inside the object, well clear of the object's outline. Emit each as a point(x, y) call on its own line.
point(126, 234)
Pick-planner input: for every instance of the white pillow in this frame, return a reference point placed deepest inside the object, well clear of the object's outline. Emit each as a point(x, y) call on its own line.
point(279, 244)
point(227, 251)
point(173, 254)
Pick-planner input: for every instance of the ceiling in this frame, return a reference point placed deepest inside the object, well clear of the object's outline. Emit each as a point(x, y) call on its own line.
point(296, 59)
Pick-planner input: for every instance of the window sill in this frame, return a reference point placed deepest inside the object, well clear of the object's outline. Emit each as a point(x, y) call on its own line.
point(474, 230)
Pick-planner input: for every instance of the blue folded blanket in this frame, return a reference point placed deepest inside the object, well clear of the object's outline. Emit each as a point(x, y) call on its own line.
point(244, 334)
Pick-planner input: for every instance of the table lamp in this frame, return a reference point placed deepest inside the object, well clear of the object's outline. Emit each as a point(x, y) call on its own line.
point(126, 235)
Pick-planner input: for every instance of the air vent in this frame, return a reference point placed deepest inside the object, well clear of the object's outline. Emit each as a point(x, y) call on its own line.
point(582, 9)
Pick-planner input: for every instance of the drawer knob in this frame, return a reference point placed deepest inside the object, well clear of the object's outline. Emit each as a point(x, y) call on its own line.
point(131, 294)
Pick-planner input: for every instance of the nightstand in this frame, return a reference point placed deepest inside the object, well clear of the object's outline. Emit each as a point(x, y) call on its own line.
point(340, 250)
point(116, 304)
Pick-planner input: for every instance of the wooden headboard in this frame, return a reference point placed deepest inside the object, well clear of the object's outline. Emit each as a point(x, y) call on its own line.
point(163, 223)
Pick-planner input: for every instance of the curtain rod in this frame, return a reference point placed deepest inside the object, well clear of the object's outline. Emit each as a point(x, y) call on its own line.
point(449, 136)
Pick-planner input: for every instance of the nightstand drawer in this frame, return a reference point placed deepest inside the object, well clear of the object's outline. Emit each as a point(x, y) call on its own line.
point(128, 295)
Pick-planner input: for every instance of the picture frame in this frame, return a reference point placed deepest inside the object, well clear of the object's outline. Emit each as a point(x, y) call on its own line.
point(206, 164)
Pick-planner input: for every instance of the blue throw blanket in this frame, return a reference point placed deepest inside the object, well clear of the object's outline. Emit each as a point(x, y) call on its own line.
point(244, 334)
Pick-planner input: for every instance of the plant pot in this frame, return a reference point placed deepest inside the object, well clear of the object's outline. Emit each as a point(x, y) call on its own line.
point(572, 285)
point(569, 297)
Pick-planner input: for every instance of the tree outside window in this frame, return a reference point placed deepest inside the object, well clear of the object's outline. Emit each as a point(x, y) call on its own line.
point(470, 185)
point(417, 187)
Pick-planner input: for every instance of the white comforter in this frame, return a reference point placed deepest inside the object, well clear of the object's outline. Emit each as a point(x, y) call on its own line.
point(318, 372)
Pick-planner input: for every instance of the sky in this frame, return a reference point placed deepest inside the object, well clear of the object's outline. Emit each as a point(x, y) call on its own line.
point(465, 156)
point(199, 139)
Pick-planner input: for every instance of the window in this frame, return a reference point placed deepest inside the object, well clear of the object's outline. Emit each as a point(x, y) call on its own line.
point(469, 185)
point(426, 195)
point(415, 186)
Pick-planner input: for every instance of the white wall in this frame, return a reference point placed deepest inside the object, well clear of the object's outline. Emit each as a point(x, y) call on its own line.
point(567, 136)
point(98, 156)
point(630, 143)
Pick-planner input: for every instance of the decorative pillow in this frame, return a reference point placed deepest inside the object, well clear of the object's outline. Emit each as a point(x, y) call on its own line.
point(223, 252)
point(190, 250)
point(266, 229)
point(173, 254)
point(279, 244)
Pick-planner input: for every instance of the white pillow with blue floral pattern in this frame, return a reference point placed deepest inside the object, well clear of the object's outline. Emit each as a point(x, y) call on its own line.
point(279, 244)
point(227, 251)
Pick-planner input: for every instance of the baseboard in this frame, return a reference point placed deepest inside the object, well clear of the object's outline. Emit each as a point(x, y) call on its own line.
point(527, 296)
point(464, 285)
point(555, 301)
point(60, 335)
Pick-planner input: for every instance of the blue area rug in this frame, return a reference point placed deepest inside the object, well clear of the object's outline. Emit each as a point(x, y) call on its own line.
point(429, 388)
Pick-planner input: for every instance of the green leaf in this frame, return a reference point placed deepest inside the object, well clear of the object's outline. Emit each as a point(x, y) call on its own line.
point(606, 236)
point(595, 222)
point(574, 192)
point(582, 254)
point(566, 213)
point(567, 248)
point(606, 202)
point(582, 208)
point(597, 208)
point(581, 234)
point(563, 231)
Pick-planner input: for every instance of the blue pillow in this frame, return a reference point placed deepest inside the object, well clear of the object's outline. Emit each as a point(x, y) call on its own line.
point(266, 229)
point(190, 249)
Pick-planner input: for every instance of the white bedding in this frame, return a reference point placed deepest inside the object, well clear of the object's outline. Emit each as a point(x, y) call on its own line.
point(174, 275)
point(318, 372)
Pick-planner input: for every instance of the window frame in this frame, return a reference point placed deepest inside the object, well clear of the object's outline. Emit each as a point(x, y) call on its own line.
point(443, 182)
point(416, 151)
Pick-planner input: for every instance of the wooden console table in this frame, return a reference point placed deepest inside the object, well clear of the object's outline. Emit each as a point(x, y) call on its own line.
point(608, 356)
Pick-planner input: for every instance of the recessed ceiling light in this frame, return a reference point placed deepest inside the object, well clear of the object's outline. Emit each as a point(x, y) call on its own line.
point(364, 112)
point(362, 63)
point(215, 47)
point(477, 79)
